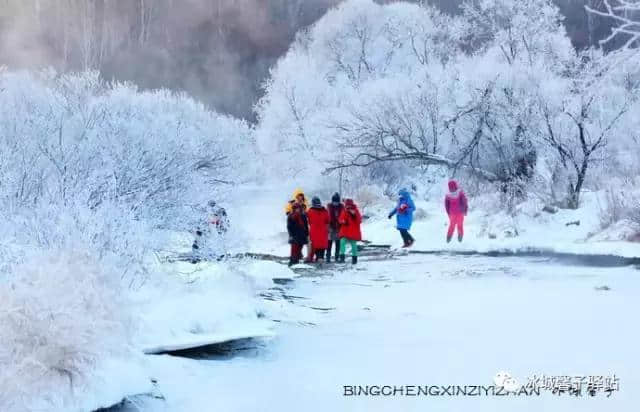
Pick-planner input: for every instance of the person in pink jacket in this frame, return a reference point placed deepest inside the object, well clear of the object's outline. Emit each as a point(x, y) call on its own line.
point(455, 203)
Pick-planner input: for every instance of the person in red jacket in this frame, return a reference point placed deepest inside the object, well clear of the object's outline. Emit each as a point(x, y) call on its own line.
point(455, 203)
point(318, 229)
point(335, 209)
point(350, 220)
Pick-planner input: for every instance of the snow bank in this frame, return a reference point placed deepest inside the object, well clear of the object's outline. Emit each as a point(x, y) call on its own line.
point(202, 304)
point(65, 333)
point(530, 229)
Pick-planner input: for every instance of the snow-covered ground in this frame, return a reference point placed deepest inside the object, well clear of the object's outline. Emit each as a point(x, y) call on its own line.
point(415, 320)
point(426, 321)
point(200, 304)
point(530, 229)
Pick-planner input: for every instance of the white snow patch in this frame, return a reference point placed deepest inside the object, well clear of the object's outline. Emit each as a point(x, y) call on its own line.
point(196, 305)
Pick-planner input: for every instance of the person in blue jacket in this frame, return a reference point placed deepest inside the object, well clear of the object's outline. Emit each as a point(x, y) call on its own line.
point(404, 216)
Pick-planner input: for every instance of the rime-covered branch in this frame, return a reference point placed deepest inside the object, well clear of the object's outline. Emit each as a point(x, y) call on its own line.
point(626, 15)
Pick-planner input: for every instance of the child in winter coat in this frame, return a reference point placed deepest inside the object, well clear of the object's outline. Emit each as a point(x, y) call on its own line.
point(319, 229)
point(298, 228)
point(455, 203)
point(404, 216)
point(335, 209)
point(350, 220)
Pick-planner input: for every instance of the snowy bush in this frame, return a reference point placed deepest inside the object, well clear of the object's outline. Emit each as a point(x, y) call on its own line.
point(93, 178)
point(61, 313)
point(106, 164)
point(621, 202)
point(367, 196)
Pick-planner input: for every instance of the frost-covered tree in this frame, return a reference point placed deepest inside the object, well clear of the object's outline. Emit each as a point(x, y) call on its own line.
point(338, 61)
point(92, 175)
point(468, 111)
point(581, 113)
point(530, 31)
point(82, 161)
point(399, 86)
point(625, 14)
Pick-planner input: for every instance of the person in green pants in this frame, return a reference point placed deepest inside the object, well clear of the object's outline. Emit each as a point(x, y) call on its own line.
point(350, 220)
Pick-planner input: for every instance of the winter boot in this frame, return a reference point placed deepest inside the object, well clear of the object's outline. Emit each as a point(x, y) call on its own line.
point(328, 259)
point(354, 260)
point(293, 261)
point(408, 244)
point(459, 238)
point(448, 239)
point(342, 258)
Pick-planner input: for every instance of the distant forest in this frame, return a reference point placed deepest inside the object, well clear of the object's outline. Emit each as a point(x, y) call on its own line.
point(219, 51)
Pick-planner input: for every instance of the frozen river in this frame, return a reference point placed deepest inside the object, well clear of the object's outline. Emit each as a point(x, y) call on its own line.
point(424, 320)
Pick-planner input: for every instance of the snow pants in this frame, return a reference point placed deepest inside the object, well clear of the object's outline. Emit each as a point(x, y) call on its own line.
point(318, 254)
point(406, 236)
point(296, 253)
point(310, 253)
point(343, 246)
point(456, 220)
point(337, 248)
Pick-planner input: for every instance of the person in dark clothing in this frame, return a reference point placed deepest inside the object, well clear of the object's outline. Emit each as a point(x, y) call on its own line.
point(298, 228)
point(335, 209)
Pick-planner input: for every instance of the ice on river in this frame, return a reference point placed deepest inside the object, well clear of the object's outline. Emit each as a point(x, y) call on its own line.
point(425, 320)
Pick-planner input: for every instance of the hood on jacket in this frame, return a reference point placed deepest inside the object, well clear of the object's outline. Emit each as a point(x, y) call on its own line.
point(349, 204)
point(335, 198)
point(453, 185)
point(315, 202)
point(297, 193)
point(404, 194)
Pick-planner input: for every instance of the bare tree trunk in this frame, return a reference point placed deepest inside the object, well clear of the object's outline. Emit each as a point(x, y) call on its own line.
point(576, 190)
point(86, 16)
point(99, 32)
point(142, 23)
point(65, 32)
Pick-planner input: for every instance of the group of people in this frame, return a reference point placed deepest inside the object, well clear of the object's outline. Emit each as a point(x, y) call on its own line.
point(338, 224)
point(322, 228)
